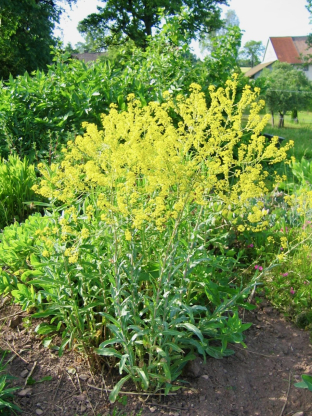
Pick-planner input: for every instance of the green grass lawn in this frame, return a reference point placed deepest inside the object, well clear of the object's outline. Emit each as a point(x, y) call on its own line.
point(300, 133)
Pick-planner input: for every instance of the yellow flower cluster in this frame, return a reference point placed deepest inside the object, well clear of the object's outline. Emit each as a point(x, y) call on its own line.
point(72, 254)
point(148, 163)
point(284, 242)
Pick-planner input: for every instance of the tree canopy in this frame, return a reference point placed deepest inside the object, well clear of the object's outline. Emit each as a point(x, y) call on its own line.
point(250, 53)
point(207, 42)
point(26, 33)
point(286, 89)
point(121, 20)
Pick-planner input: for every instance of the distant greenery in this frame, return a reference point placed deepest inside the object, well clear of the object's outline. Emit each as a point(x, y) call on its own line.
point(41, 111)
point(251, 53)
point(17, 177)
point(120, 20)
point(26, 34)
point(285, 89)
point(300, 133)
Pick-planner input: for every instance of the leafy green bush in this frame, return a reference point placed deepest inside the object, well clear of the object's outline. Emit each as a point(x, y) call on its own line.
point(18, 243)
point(41, 111)
point(17, 177)
point(289, 287)
point(134, 266)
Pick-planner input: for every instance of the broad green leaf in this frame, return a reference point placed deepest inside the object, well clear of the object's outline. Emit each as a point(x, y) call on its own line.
point(143, 377)
point(110, 341)
point(166, 371)
point(123, 362)
point(46, 342)
point(193, 329)
point(214, 352)
point(307, 380)
point(44, 329)
point(113, 395)
point(108, 352)
point(174, 347)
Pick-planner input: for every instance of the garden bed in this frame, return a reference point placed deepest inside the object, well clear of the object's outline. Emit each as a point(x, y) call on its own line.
point(258, 380)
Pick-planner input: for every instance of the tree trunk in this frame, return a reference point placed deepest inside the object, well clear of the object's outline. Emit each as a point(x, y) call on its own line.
point(272, 118)
point(294, 115)
point(281, 120)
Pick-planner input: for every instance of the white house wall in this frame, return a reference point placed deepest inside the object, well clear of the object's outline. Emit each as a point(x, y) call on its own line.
point(270, 54)
point(308, 73)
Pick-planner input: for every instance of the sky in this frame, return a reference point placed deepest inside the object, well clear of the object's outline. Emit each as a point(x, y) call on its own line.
point(259, 19)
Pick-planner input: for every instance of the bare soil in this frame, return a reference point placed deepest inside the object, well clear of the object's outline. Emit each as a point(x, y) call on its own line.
point(258, 380)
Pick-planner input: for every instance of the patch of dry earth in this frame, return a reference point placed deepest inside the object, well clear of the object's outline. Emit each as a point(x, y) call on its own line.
point(255, 381)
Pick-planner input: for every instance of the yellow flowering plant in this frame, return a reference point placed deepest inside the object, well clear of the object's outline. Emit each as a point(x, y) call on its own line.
point(137, 204)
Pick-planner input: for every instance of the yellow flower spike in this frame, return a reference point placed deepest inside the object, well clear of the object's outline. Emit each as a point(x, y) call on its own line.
point(84, 233)
point(128, 235)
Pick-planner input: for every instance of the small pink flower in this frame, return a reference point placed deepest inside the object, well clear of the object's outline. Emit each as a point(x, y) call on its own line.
point(282, 249)
point(256, 266)
point(306, 224)
point(260, 268)
point(292, 292)
point(250, 245)
point(285, 274)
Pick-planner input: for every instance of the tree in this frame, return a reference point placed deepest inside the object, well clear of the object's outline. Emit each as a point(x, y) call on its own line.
point(230, 20)
point(224, 53)
point(251, 53)
point(26, 34)
point(309, 40)
point(120, 20)
point(286, 89)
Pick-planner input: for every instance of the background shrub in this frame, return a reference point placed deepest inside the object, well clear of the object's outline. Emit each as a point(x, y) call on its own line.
point(17, 177)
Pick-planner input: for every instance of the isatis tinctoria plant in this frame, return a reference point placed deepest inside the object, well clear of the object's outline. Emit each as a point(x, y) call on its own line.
point(126, 268)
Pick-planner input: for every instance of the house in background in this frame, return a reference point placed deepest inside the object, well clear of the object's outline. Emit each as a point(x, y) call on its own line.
point(88, 56)
point(290, 49)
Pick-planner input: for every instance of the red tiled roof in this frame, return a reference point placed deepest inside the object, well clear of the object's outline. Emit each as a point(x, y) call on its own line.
point(301, 45)
point(285, 50)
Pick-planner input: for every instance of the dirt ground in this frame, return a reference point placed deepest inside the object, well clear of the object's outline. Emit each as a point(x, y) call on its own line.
point(258, 380)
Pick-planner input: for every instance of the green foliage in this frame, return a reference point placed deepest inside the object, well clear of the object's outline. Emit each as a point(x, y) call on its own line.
point(18, 243)
point(223, 58)
point(286, 88)
point(6, 392)
point(302, 171)
point(309, 8)
point(96, 302)
point(306, 382)
point(40, 112)
point(150, 277)
point(250, 55)
point(289, 288)
point(16, 196)
point(120, 20)
point(300, 133)
point(230, 20)
point(26, 34)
